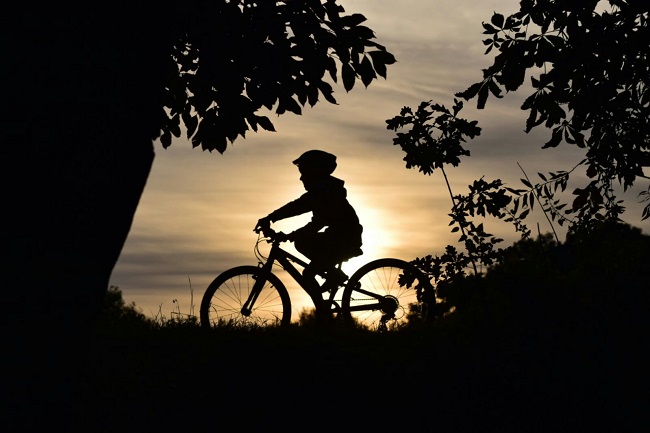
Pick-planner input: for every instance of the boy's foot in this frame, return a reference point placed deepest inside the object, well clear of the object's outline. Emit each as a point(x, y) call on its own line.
point(334, 278)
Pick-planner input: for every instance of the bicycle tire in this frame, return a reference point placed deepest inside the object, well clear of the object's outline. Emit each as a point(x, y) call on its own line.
point(373, 293)
point(224, 298)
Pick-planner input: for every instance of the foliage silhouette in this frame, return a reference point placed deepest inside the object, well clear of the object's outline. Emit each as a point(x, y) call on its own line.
point(590, 67)
point(116, 310)
point(434, 136)
point(596, 279)
point(427, 152)
point(449, 270)
point(86, 91)
point(238, 57)
point(582, 52)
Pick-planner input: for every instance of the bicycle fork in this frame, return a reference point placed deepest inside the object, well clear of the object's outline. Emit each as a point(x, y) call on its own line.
point(247, 308)
point(260, 280)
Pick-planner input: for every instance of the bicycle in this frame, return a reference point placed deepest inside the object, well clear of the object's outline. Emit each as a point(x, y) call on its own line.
point(382, 294)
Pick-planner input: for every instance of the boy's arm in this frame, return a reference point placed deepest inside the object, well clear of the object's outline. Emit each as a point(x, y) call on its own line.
point(296, 207)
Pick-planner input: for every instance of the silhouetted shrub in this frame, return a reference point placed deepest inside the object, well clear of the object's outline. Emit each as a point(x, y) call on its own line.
point(594, 280)
point(116, 313)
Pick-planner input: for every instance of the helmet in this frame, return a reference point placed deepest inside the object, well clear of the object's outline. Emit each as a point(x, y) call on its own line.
point(316, 162)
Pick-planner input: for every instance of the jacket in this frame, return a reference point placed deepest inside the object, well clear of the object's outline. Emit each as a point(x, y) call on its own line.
point(327, 200)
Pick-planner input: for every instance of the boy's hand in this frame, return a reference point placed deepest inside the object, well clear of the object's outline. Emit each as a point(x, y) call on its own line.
point(263, 223)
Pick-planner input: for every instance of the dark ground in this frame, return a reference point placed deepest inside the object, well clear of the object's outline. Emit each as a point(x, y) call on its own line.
point(477, 377)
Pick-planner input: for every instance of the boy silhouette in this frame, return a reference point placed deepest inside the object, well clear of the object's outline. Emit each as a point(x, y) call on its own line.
point(334, 233)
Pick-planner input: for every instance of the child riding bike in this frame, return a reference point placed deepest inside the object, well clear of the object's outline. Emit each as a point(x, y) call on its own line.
point(334, 233)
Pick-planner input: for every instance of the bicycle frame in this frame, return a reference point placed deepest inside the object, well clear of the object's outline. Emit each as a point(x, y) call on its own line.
point(286, 260)
point(372, 296)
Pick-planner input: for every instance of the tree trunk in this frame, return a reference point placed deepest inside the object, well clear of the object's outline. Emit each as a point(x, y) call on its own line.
point(80, 107)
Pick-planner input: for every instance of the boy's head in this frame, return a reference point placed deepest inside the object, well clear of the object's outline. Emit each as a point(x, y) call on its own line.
point(316, 163)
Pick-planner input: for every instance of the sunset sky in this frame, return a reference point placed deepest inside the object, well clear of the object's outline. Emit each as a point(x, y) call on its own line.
point(198, 210)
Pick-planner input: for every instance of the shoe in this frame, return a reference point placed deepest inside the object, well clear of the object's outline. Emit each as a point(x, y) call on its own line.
point(334, 278)
point(337, 276)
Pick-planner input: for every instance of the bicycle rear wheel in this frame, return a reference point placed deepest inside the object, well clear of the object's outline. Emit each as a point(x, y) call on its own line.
point(225, 297)
point(373, 298)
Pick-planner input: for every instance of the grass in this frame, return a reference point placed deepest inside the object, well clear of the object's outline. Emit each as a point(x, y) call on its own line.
point(481, 372)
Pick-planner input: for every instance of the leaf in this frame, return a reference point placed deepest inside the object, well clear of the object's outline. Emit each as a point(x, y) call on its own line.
point(579, 201)
point(349, 76)
point(531, 200)
point(352, 20)
point(592, 171)
point(366, 71)
point(289, 104)
point(265, 123)
point(470, 92)
point(330, 66)
point(362, 32)
point(482, 97)
point(386, 57)
point(175, 126)
point(166, 139)
point(252, 121)
point(379, 60)
point(312, 94)
point(220, 143)
point(498, 20)
point(556, 139)
point(489, 29)
point(495, 89)
point(302, 98)
point(327, 92)
point(191, 122)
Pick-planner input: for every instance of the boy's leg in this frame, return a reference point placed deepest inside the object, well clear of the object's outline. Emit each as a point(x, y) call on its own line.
point(319, 249)
point(307, 245)
point(309, 275)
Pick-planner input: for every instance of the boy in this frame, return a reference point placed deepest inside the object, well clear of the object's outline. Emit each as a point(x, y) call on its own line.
point(334, 233)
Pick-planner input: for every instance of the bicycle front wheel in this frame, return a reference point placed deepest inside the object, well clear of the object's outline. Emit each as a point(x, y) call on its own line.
point(225, 298)
point(373, 298)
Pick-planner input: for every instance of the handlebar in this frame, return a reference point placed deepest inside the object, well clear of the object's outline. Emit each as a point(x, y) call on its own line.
point(265, 230)
point(268, 232)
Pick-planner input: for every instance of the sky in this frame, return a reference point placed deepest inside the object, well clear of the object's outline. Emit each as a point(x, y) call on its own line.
point(198, 210)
